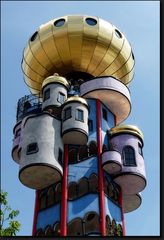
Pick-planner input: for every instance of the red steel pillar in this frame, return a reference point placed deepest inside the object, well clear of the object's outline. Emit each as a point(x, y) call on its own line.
point(63, 220)
point(36, 208)
point(122, 213)
point(100, 171)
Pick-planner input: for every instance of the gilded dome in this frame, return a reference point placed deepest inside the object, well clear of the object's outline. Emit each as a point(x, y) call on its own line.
point(76, 43)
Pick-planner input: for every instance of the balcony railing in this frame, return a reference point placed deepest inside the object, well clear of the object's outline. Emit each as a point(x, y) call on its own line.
point(27, 105)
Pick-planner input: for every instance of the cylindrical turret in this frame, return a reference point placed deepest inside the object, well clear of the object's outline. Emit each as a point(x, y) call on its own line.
point(128, 141)
point(42, 151)
point(75, 121)
point(54, 89)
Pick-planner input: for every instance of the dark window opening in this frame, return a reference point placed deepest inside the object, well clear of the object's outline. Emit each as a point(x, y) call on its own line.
point(118, 34)
point(73, 155)
point(61, 97)
point(92, 148)
point(105, 114)
point(18, 132)
point(46, 94)
point(59, 22)
point(91, 21)
point(90, 125)
point(129, 156)
point(33, 37)
point(60, 157)
point(79, 115)
point(67, 113)
point(32, 148)
point(140, 149)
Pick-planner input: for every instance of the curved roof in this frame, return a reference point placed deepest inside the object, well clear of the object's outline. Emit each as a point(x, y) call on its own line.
point(127, 129)
point(55, 79)
point(77, 43)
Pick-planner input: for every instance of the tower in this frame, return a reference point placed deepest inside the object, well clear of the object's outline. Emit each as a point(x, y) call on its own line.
point(86, 166)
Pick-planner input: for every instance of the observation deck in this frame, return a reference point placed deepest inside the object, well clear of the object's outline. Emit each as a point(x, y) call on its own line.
point(77, 46)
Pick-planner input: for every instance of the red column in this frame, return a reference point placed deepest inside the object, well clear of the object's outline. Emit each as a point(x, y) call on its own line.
point(115, 120)
point(100, 171)
point(63, 218)
point(122, 213)
point(36, 208)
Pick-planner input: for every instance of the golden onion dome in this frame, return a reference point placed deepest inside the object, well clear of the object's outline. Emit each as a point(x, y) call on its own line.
point(55, 79)
point(75, 99)
point(126, 129)
point(76, 43)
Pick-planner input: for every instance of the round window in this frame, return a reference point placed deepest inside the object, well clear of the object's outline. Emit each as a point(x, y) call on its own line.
point(132, 55)
point(91, 21)
point(59, 23)
point(33, 37)
point(118, 34)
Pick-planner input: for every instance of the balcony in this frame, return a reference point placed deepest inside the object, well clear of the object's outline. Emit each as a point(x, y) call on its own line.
point(29, 104)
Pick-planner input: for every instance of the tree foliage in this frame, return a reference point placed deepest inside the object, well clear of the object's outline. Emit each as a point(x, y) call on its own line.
point(8, 226)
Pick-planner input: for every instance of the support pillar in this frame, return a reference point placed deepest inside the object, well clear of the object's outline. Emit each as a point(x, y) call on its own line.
point(36, 208)
point(100, 172)
point(63, 219)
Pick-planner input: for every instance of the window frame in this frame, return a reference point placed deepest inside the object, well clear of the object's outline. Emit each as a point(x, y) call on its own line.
point(124, 157)
point(77, 115)
point(61, 94)
point(90, 125)
point(104, 111)
point(64, 115)
point(45, 97)
point(28, 152)
point(140, 150)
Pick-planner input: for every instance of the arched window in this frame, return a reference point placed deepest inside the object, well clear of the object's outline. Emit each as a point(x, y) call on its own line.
point(91, 220)
point(58, 191)
point(75, 227)
point(73, 155)
point(108, 226)
point(93, 183)
point(72, 191)
point(40, 233)
point(119, 230)
point(56, 229)
point(83, 152)
point(129, 156)
point(114, 228)
point(83, 187)
point(49, 231)
point(42, 200)
point(92, 148)
point(50, 196)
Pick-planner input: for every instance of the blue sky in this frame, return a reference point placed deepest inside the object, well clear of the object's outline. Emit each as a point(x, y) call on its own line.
point(139, 20)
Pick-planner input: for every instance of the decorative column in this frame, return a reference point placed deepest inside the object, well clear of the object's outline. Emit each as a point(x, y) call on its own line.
point(122, 213)
point(36, 208)
point(100, 172)
point(64, 197)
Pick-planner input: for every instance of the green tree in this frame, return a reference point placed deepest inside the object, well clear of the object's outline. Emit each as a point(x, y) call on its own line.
point(7, 216)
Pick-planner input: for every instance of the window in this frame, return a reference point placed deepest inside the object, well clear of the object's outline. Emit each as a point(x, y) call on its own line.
point(33, 37)
point(67, 113)
point(18, 132)
point(129, 156)
point(140, 149)
point(60, 157)
point(46, 94)
point(61, 97)
point(32, 148)
point(91, 21)
point(79, 115)
point(118, 34)
point(105, 114)
point(90, 125)
point(59, 22)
